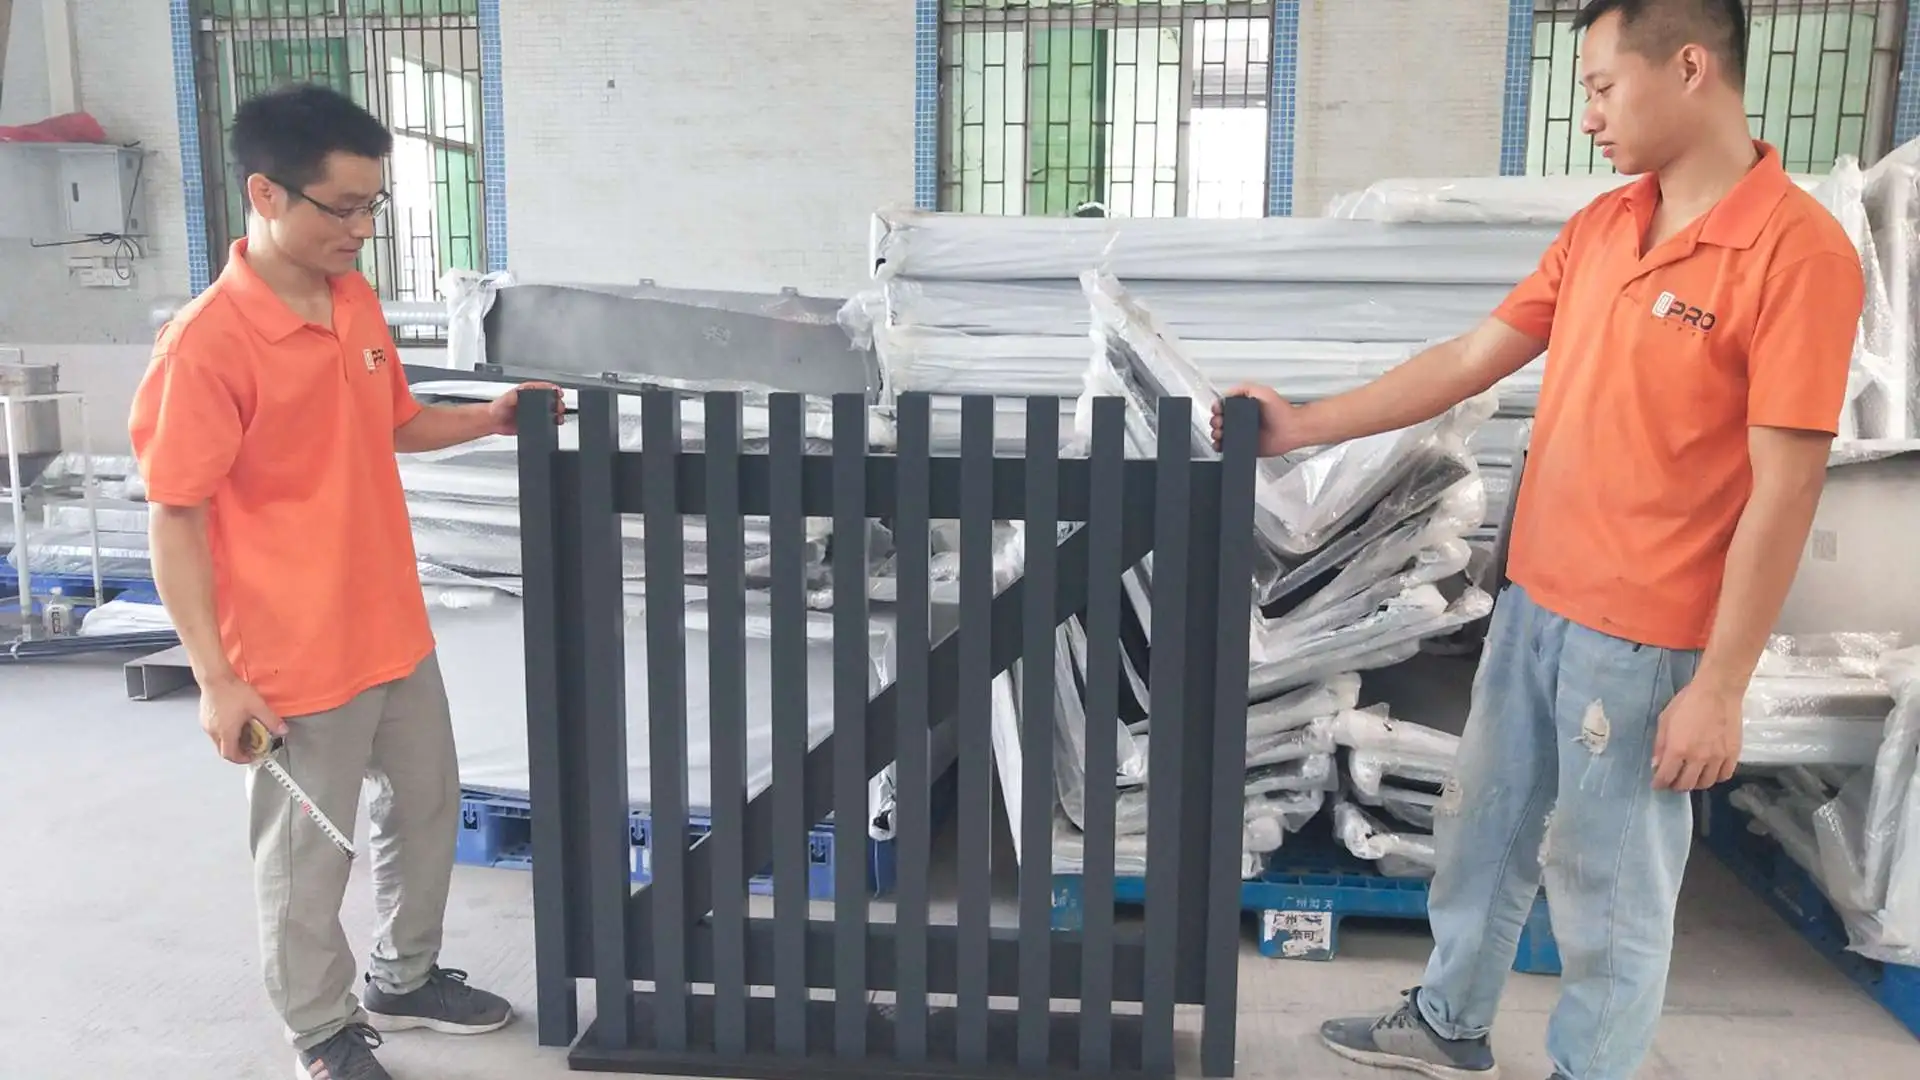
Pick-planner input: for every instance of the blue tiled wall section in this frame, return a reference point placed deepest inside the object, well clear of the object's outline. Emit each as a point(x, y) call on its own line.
point(493, 137)
point(192, 173)
point(926, 104)
point(1906, 111)
point(1284, 71)
point(1517, 95)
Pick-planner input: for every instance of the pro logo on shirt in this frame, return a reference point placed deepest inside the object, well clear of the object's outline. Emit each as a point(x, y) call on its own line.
point(375, 358)
point(1669, 306)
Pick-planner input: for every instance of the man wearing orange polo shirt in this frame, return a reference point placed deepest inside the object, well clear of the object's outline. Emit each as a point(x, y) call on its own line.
point(266, 428)
point(1699, 323)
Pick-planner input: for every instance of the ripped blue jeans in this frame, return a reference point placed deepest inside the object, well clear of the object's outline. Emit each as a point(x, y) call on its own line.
point(1554, 782)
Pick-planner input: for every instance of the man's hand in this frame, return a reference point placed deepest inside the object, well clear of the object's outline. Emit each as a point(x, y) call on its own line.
point(502, 410)
point(226, 707)
point(1698, 742)
point(1279, 424)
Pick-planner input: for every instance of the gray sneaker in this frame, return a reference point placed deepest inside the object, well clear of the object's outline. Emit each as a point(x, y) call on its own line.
point(444, 1003)
point(1403, 1039)
point(348, 1055)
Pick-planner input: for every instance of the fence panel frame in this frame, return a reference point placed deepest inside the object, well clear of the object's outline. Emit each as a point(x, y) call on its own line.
point(1195, 512)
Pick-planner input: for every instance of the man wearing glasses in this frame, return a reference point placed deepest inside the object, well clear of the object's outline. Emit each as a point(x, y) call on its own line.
point(266, 428)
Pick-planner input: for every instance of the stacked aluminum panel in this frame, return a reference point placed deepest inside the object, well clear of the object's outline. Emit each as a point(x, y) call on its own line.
point(966, 304)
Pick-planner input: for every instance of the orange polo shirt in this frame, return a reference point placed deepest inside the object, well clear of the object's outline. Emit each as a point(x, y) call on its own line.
point(1657, 364)
point(285, 430)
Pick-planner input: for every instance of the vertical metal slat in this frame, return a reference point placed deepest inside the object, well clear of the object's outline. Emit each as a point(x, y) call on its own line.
point(974, 724)
point(1103, 705)
point(727, 718)
point(912, 817)
point(666, 710)
point(1036, 731)
point(547, 782)
point(603, 679)
point(850, 666)
point(1166, 687)
point(1230, 538)
point(787, 528)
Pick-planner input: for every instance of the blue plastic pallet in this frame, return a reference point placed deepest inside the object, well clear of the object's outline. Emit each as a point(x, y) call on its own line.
point(497, 831)
point(1301, 899)
point(78, 586)
point(1768, 870)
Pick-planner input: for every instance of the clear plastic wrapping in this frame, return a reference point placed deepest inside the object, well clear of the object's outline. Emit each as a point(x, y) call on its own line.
point(1383, 752)
point(1816, 699)
point(925, 244)
point(1869, 835)
point(1129, 853)
point(1217, 310)
point(953, 362)
point(1368, 838)
point(469, 296)
point(1482, 200)
point(1889, 406)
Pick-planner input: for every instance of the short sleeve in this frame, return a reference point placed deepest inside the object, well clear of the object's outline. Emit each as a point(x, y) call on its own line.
point(185, 429)
point(1803, 342)
point(405, 406)
point(1529, 308)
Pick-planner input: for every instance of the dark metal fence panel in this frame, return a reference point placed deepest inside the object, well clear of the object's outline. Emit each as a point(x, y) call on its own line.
point(687, 931)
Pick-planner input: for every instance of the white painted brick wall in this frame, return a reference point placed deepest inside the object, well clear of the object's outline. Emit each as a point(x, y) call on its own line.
point(738, 145)
point(744, 144)
point(124, 62)
point(1394, 88)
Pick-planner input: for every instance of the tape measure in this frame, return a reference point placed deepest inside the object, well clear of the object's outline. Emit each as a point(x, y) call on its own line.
point(259, 745)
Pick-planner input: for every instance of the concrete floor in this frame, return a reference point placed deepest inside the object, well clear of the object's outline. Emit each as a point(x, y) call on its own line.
point(128, 948)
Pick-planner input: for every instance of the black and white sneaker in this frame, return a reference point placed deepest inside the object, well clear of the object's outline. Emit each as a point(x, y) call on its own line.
point(1402, 1039)
point(444, 1003)
point(347, 1055)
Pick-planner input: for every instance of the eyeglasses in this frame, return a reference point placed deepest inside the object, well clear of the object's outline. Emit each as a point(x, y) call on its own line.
point(345, 214)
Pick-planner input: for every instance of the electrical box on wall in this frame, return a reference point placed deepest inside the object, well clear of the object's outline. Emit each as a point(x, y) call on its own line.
point(64, 191)
point(99, 189)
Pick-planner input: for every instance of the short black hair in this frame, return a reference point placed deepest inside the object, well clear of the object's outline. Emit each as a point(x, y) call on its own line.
point(286, 133)
point(1658, 28)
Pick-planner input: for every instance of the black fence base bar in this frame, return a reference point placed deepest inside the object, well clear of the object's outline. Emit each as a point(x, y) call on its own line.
point(878, 1062)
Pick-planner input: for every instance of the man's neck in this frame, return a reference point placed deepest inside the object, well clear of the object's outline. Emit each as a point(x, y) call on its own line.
point(293, 283)
point(1701, 177)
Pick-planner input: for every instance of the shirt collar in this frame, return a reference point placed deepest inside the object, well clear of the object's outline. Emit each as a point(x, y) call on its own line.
point(1738, 218)
point(262, 306)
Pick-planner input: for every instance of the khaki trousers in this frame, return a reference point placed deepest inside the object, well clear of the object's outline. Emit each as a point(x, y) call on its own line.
point(399, 736)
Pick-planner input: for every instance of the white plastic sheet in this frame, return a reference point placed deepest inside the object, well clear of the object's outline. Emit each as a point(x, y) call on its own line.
point(980, 247)
point(1868, 836)
point(1232, 311)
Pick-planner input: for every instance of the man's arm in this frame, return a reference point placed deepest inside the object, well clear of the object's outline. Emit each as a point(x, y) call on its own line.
point(183, 574)
point(186, 429)
point(436, 427)
point(1420, 389)
point(1789, 469)
point(1796, 385)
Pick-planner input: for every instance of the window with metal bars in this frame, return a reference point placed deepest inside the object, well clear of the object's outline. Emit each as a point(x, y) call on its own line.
point(413, 63)
point(1134, 108)
point(1821, 80)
